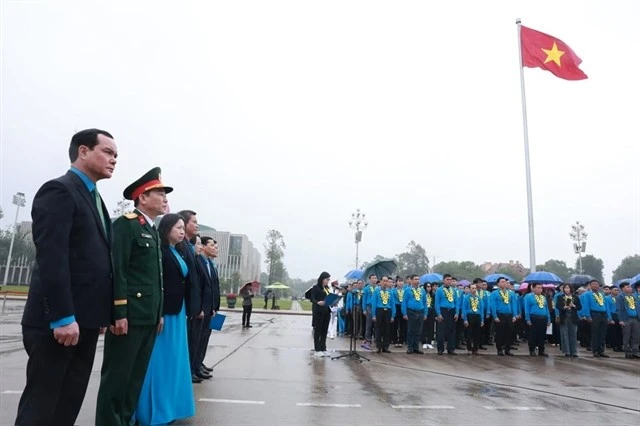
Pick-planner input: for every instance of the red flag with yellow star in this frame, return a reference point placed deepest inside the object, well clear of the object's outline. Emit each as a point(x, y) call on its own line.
point(540, 50)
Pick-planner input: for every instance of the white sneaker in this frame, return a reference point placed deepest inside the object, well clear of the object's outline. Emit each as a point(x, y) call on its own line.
point(429, 346)
point(326, 353)
point(424, 346)
point(332, 337)
point(319, 354)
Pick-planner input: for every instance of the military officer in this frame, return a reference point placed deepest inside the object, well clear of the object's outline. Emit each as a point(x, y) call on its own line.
point(137, 301)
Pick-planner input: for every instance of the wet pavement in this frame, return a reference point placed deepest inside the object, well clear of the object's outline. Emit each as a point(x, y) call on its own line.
point(267, 375)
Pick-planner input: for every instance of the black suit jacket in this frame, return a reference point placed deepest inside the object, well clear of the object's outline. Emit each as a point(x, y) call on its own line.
point(174, 283)
point(73, 274)
point(206, 281)
point(194, 290)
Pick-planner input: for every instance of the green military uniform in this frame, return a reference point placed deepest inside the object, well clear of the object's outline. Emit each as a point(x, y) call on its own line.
point(137, 296)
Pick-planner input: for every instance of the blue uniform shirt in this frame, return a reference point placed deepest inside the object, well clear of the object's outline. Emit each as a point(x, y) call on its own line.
point(467, 306)
point(378, 300)
point(443, 302)
point(498, 305)
point(531, 307)
point(591, 303)
point(367, 295)
point(410, 302)
point(623, 305)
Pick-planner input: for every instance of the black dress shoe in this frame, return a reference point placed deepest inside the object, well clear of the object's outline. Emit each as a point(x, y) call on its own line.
point(532, 353)
point(249, 326)
point(195, 379)
point(500, 353)
point(418, 352)
point(207, 369)
point(636, 356)
point(482, 348)
point(508, 353)
point(544, 355)
point(386, 351)
point(409, 351)
point(603, 355)
point(451, 353)
point(203, 375)
point(440, 352)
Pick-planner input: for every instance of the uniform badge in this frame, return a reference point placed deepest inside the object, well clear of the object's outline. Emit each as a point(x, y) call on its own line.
point(141, 220)
point(146, 235)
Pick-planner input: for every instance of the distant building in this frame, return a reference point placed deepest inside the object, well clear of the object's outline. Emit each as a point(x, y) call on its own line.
point(235, 254)
point(491, 268)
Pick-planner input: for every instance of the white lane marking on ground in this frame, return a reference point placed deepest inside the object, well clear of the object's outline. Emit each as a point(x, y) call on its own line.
point(319, 404)
point(12, 392)
point(516, 408)
point(231, 401)
point(424, 407)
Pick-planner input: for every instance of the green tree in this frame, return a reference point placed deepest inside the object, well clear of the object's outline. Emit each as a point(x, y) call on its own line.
point(465, 270)
point(512, 271)
point(628, 268)
point(274, 247)
point(412, 261)
point(23, 246)
point(558, 267)
point(591, 265)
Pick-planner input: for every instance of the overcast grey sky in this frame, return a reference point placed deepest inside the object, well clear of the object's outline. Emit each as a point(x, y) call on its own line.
point(292, 114)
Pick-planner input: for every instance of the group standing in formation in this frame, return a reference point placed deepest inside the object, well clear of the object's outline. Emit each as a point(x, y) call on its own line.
point(151, 289)
point(404, 312)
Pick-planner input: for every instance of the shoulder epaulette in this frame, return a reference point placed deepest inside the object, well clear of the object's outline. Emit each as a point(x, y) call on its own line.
point(130, 215)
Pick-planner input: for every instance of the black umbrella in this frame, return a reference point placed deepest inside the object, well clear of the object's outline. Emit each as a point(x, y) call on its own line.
point(381, 267)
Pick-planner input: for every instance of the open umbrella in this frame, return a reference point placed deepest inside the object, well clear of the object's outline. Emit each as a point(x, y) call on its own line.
point(493, 278)
point(543, 277)
point(354, 274)
point(381, 267)
point(625, 280)
point(578, 280)
point(431, 278)
point(635, 280)
point(523, 287)
point(277, 286)
point(464, 283)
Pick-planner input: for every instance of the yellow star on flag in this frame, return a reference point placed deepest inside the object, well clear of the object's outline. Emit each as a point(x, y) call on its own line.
point(553, 55)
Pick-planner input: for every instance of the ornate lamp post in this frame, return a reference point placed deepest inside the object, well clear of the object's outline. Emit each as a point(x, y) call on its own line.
point(359, 223)
point(578, 236)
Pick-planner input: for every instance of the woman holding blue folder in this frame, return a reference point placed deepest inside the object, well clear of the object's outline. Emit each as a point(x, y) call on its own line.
point(321, 314)
point(167, 392)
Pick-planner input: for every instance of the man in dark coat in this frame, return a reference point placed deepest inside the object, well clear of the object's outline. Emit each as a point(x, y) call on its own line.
point(70, 294)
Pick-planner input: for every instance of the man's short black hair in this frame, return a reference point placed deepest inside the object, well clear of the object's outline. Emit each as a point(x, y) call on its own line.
point(445, 276)
point(186, 215)
point(205, 240)
point(88, 138)
point(477, 280)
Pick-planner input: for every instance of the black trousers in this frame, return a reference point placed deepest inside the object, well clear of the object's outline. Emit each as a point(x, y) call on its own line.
point(474, 332)
point(429, 328)
point(57, 377)
point(246, 315)
point(194, 327)
point(203, 340)
point(488, 325)
point(584, 333)
point(446, 330)
point(598, 332)
point(537, 333)
point(383, 327)
point(460, 334)
point(504, 332)
point(614, 333)
point(321, 317)
point(399, 328)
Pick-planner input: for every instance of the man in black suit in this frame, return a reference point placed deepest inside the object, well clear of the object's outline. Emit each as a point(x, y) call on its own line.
point(194, 292)
point(210, 300)
point(71, 287)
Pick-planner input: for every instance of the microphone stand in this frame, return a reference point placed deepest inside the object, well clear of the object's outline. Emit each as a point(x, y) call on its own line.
point(353, 339)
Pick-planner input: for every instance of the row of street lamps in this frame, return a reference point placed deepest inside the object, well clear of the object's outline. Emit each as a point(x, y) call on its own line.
point(359, 222)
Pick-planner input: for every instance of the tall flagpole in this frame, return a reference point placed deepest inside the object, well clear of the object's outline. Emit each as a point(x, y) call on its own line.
point(532, 243)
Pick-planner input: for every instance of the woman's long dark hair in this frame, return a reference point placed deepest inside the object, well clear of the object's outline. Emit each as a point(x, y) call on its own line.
point(166, 224)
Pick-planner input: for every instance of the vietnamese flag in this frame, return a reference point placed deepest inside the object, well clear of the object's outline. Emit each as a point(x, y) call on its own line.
point(540, 50)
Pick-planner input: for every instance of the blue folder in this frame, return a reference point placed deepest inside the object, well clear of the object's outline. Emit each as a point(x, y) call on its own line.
point(332, 299)
point(217, 321)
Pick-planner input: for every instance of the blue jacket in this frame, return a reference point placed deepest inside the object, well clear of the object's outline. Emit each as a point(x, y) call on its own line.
point(410, 301)
point(377, 301)
point(367, 296)
point(441, 300)
point(486, 301)
point(499, 307)
point(591, 305)
point(467, 308)
point(531, 307)
point(612, 305)
point(398, 295)
point(624, 310)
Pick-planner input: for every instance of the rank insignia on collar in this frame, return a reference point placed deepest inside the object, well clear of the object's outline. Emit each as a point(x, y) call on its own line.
point(141, 220)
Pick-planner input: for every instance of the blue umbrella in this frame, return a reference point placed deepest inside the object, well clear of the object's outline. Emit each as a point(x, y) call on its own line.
point(493, 278)
point(617, 283)
point(543, 277)
point(635, 280)
point(354, 274)
point(381, 267)
point(431, 278)
point(579, 279)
